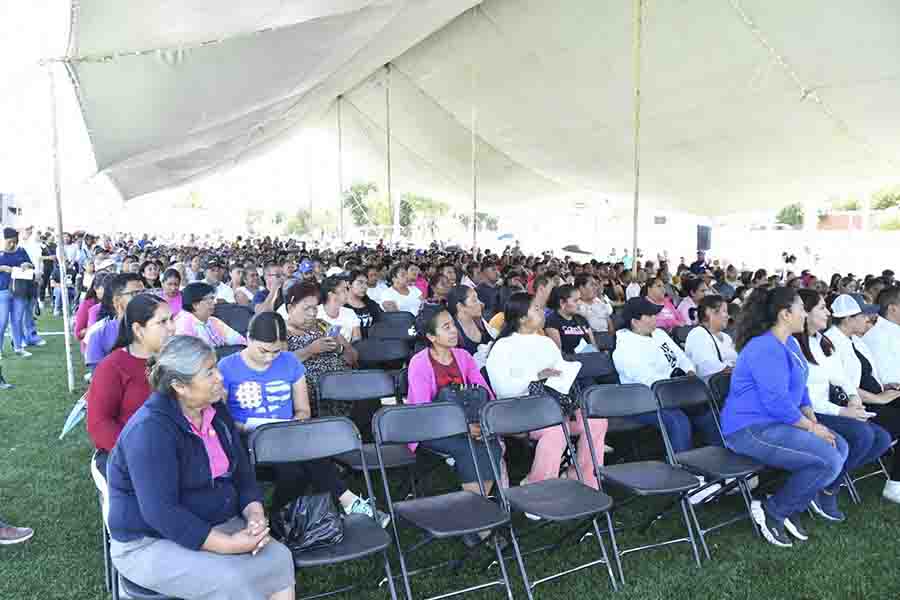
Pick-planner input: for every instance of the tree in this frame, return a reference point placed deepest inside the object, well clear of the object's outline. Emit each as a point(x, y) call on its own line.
point(791, 215)
point(483, 221)
point(356, 200)
point(885, 198)
point(298, 224)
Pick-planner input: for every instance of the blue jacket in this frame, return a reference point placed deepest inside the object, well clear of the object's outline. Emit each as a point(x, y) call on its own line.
point(160, 484)
point(768, 384)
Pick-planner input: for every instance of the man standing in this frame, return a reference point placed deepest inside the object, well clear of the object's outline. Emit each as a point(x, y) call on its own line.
point(12, 306)
point(699, 265)
point(30, 243)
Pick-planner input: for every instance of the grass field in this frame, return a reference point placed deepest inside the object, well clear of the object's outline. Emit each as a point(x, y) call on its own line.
point(44, 484)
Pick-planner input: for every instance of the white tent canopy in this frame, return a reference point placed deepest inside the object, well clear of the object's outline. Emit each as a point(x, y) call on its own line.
point(746, 104)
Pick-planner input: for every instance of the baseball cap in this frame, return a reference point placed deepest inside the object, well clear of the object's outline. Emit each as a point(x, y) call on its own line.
point(846, 305)
point(214, 263)
point(334, 271)
point(105, 264)
point(638, 307)
point(305, 267)
point(10, 234)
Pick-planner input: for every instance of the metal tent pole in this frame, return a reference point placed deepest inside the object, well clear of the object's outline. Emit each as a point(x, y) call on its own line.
point(638, 24)
point(340, 166)
point(60, 247)
point(474, 183)
point(395, 230)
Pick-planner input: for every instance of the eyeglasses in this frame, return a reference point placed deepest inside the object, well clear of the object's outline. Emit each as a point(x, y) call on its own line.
point(129, 293)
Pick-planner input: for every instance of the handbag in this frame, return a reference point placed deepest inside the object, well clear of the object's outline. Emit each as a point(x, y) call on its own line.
point(308, 522)
point(567, 402)
point(836, 395)
point(470, 397)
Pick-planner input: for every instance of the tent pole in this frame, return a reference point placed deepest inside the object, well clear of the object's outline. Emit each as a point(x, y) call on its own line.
point(60, 247)
point(395, 209)
point(340, 165)
point(474, 185)
point(638, 23)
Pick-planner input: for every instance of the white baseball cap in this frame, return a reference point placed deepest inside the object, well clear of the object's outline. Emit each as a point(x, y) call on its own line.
point(847, 306)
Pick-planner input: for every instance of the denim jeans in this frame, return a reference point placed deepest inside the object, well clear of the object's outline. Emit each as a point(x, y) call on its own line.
point(29, 330)
point(57, 299)
point(11, 311)
point(866, 442)
point(680, 427)
point(812, 463)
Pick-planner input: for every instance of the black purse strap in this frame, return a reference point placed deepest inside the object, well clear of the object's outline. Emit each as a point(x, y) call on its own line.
point(715, 342)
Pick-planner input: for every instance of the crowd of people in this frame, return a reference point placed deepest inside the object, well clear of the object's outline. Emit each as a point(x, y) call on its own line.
point(815, 376)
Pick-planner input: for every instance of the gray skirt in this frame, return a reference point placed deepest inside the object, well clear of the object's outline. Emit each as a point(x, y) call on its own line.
point(173, 570)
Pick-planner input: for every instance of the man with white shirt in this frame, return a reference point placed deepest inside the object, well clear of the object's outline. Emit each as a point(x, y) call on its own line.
point(214, 269)
point(29, 242)
point(377, 286)
point(884, 338)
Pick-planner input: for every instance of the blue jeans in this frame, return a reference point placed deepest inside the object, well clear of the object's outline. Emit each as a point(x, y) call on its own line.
point(866, 442)
point(812, 463)
point(57, 299)
point(29, 330)
point(680, 427)
point(12, 310)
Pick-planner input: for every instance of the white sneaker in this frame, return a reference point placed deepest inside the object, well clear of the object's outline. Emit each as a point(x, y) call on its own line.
point(40, 343)
point(752, 484)
point(891, 491)
point(23, 352)
point(701, 496)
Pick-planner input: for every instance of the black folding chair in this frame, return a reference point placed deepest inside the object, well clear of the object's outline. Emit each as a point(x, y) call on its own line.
point(382, 353)
point(391, 330)
point(400, 318)
point(446, 516)
point(598, 367)
point(680, 334)
point(604, 342)
point(223, 351)
point(641, 479)
point(367, 386)
point(720, 384)
point(553, 500)
point(714, 463)
point(301, 441)
point(236, 316)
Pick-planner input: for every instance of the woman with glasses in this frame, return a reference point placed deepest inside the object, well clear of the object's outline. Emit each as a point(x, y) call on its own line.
point(100, 338)
point(366, 309)
point(198, 302)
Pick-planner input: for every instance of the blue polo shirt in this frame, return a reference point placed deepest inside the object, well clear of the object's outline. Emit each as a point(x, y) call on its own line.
point(261, 394)
point(16, 258)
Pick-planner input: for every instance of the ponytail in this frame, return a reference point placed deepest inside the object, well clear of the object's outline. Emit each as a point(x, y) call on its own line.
point(760, 313)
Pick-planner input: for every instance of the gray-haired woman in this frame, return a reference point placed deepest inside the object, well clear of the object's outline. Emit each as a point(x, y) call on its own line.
point(185, 513)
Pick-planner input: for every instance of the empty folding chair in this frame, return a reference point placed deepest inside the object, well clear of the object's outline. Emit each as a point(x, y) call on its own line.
point(451, 515)
point(300, 441)
point(382, 353)
point(391, 330)
point(604, 342)
point(641, 479)
point(404, 318)
point(553, 500)
point(714, 463)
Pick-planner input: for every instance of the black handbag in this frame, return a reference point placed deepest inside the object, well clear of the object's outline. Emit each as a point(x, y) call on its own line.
point(567, 402)
point(308, 522)
point(837, 395)
point(471, 398)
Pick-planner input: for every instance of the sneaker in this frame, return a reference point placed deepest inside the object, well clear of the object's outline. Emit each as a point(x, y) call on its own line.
point(23, 352)
point(826, 506)
point(39, 343)
point(5, 385)
point(752, 484)
point(771, 529)
point(701, 496)
point(367, 507)
point(891, 491)
point(10, 535)
point(792, 525)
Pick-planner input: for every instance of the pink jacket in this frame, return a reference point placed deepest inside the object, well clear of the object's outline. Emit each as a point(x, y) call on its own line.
point(669, 317)
point(422, 384)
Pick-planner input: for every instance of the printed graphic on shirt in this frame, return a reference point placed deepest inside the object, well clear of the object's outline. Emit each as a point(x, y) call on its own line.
point(670, 356)
point(269, 397)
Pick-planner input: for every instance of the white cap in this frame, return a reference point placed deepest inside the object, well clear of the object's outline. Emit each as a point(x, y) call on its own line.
point(333, 271)
point(847, 306)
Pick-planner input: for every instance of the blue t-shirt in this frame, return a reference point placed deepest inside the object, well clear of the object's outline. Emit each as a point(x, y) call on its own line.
point(261, 394)
point(11, 259)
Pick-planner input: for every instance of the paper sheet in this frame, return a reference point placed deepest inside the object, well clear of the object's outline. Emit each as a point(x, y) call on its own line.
point(20, 273)
point(562, 383)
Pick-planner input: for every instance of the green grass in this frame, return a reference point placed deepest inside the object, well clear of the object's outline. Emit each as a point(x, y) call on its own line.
point(44, 484)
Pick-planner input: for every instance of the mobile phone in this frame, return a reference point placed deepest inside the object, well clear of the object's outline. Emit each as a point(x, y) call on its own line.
point(334, 331)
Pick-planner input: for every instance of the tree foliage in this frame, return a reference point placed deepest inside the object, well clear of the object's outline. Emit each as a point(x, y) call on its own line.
point(483, 221)
point(885, 198)
point(356, 200)
point(791, 215)
point(298, 224)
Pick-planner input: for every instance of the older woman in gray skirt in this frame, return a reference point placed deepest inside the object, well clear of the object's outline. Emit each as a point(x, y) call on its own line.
point(185, 512)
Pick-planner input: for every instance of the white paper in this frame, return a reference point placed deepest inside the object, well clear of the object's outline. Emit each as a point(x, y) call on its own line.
point(562, 383)
point(254, 422)
point(20, 273)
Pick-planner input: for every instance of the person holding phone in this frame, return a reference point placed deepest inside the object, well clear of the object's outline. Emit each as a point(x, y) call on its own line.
point(835, 400)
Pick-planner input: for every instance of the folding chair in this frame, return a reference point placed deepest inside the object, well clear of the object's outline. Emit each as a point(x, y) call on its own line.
point(680, 334)
point(236, 316)
point(301, 441)
point(446, 516)
point(641, 479)
point(553, 500)
point(115, 582)
point(382, 353)
point(714, 463)
point(223, 351)
point(604, 342)
point(367, 386)
point(391, 330)
point(399, 318)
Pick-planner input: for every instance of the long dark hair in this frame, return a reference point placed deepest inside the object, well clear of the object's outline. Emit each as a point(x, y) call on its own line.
point(267, 327)
point(455, 297)
point(760, 313)
point(114, 286)
point(516, 309)
point(560, 294)
point(140, 310)
point(100, 280)
point(147, 283)
point(811, 299)
point(708, 305)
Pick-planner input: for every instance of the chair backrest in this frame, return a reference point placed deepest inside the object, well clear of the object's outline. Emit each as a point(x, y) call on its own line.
point(391, 330)
point(680, 334)
point(374, 351)
point(223, 351)
point(353, 386)
point(595, 365)
point(625, 400)
point(398, 317)
point(720, 385)
point(604, 342)
point(298, 441)
point(681, 392)
point(419, 422)
point(235, 316)
point(520, 414)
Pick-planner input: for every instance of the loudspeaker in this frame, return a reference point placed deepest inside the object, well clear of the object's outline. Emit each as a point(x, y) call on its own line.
point(704, 237)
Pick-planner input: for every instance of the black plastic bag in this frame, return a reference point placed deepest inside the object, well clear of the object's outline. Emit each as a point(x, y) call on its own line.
point(308, 522)
point(471, 398)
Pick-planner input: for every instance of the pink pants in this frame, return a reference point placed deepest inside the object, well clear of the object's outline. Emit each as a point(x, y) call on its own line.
point(551, 444)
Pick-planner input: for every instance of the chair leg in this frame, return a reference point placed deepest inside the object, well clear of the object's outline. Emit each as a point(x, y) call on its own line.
point(502, 563)
point(107, 561)
point(615, 546)
point(403, 569)
point(685, 508)
point(390, 577)
point(851, 487)
point(521, 563)
point(605, 556)
point(748, 501)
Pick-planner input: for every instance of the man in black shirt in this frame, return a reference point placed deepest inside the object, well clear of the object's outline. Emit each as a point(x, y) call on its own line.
point(487, 290)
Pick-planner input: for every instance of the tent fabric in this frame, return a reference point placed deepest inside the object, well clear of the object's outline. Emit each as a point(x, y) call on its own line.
point(746, 104)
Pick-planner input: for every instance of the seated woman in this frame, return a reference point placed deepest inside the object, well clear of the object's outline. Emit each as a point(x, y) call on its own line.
point(119, 386)
point(465, 309)
point(100, 338)
point(768, 415)
point(171, 286)
point(333, 295)
point(400, 296)
point(308, 339)
point(708, 346)
point(91, 299)
point(693, 290)
point(265, 384)
point(149, 272)
point(568, 329)
point(668, 317)
point(866, 441)
point(198, 301)
point(185, 513)
point(439, 286)
point(850, 323)
point(519, 357)
point(646, 354)
point(366, 309)
point(439, 365)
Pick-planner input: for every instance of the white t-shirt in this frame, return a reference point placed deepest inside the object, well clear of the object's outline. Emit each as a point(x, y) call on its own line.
point(346, 319)
point(633, 290)
point(409, 303)
point(701, 347)
point(224, 292)
point(375, 293)
point(597, 313)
